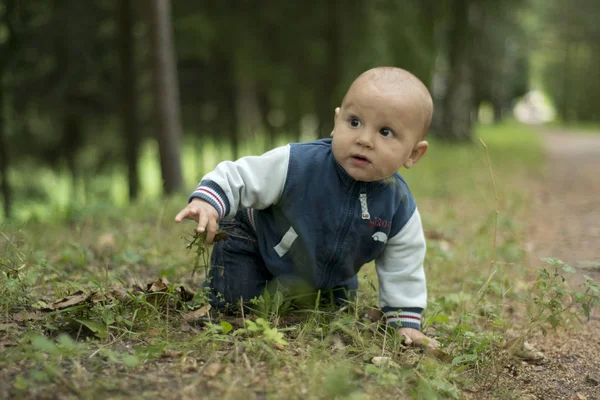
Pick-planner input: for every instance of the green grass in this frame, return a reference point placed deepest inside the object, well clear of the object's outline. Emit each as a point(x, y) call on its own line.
point(140, 345)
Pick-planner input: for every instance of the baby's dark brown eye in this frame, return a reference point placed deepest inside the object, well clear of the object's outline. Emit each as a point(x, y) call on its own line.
point(354, 122)
point(386, 132)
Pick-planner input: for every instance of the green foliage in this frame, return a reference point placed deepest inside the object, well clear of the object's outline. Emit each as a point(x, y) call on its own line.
point(271, 304)
point(16, 277)
point(566, 62)
point(555, 304)
point(262, 328)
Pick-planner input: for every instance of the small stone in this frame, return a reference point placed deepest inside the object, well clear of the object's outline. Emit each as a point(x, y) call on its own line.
point(593, 379)
point(530, 353)
point(213, 370)
point(105, 244)
point(380, 360)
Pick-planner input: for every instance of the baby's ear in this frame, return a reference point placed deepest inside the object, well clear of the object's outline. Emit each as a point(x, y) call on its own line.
point(335, 116)
point(417, 152)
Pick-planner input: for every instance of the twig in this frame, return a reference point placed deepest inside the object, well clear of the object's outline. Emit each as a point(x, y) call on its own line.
point(384, 339)
point(492, 270)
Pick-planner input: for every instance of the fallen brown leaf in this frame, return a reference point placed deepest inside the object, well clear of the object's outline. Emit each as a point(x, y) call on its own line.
point(75, 299)
point(159, 285)
point(117, 293)
point(278, 346)
point(27, 316)
point(157, 291)
point(199, 313)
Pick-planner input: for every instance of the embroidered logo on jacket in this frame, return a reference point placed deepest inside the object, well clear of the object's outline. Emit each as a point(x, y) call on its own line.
point(380, 223)
point(380, 237)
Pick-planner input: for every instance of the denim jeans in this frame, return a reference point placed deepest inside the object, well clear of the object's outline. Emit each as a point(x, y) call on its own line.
point(237, 271)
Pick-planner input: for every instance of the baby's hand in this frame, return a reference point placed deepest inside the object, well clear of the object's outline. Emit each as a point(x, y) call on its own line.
point(206, 215)
point(415, 337)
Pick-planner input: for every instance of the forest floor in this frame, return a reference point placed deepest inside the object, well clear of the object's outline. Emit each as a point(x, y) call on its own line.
point(97, 301)
point(565, 224)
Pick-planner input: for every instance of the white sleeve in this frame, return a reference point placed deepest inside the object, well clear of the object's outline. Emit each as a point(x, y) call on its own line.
point(253, 181)
point(401, 276)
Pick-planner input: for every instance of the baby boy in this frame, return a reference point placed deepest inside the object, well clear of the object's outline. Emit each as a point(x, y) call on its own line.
point(317, 212)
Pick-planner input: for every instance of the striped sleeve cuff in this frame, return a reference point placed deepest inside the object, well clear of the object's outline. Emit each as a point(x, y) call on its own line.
point(403, 318)
point(211, 192)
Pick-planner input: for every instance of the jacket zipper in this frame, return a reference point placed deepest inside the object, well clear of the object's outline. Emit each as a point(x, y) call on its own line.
point(364, 208)
point(362, 197)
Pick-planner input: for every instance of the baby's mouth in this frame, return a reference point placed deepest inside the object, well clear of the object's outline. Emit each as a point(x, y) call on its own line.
point(360, 157)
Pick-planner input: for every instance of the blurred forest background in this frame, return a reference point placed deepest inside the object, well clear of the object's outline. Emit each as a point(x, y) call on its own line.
point(116, 100)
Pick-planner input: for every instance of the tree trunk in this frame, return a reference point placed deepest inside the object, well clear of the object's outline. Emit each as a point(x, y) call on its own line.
point(248, 113)
point(269, 130)
point(233, 125)
point(166, 94)
point(128, 95)
point(429, 20)
point(6, 50)
point(71, 144)
point(566, 92)
point(498, 111)
point(4, 163)
point(328, 82)
point(458, 102)
point(596, 117)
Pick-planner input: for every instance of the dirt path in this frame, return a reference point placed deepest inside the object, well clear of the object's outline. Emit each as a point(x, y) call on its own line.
point(565, 224)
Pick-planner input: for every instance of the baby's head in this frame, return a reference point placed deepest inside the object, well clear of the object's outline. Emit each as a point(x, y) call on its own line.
point(381, 124)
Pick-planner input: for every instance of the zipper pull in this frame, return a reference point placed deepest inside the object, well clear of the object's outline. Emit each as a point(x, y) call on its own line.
point(364, 209)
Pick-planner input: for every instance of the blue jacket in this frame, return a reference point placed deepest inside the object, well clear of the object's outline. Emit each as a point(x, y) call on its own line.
point(313, 221)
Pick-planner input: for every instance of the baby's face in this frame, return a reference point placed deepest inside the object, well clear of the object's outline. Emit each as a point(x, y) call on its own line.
point(377, 131)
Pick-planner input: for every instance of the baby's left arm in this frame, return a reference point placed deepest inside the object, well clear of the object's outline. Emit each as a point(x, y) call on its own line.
point(402, 285)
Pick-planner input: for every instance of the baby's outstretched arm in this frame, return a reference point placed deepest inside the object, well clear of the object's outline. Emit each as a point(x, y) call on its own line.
point(250, 182)
point(415, 337)
point(206, 215)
